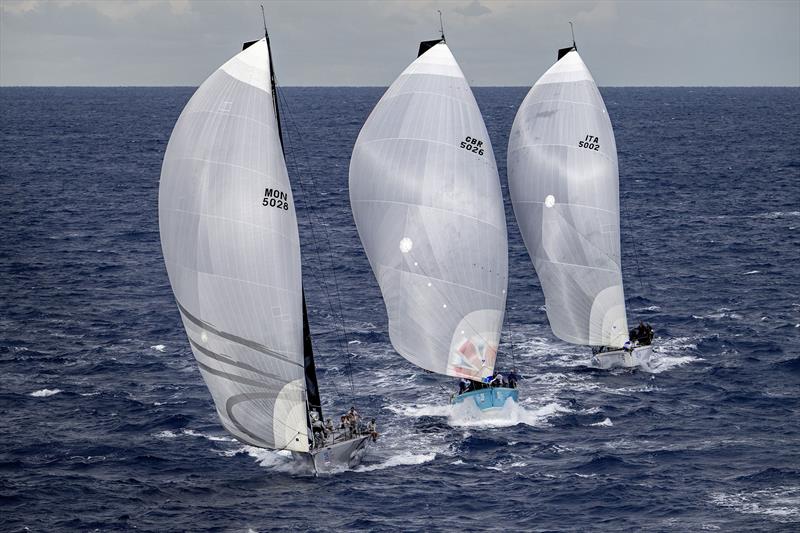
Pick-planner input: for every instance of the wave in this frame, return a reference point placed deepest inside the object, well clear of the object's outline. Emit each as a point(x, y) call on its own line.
point(605, 423)
point(275, 460)
point(212, 438)
point(403, 459)
point(781, 504)
point(665, 362)
point(44, 393)
point(467, 414)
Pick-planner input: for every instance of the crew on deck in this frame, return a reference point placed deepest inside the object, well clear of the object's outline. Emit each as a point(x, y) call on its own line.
point(350, 427)
point(495, 380)
point(642, 334)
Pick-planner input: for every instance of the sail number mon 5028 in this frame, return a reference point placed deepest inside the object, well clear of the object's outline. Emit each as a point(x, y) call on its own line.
point(275, 198)
point(473, 145)
point(590, 142)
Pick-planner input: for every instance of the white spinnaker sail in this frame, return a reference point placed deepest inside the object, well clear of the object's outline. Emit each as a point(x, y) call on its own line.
point(564, 185)
point(426, 198)
point(230, 241)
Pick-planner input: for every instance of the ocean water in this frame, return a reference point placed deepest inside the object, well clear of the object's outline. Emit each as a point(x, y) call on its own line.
point(106, 423)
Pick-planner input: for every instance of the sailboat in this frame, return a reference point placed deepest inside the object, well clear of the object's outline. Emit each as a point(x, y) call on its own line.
point(426, 199)
point(231, 244)
point(564, 185)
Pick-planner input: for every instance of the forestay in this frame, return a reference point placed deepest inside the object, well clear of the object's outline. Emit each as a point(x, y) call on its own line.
point(230, 240)
point(564, 185)
point(426, 199)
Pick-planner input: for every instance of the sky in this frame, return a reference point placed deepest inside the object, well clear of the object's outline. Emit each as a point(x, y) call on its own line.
point(368, 43)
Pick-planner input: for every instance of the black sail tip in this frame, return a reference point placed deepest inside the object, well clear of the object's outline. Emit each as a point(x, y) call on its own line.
point(248, 44)
point(424, 46)
point(564, 51)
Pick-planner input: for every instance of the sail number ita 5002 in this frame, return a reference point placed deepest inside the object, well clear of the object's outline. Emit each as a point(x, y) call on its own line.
point(275, 198)
point(591, 142)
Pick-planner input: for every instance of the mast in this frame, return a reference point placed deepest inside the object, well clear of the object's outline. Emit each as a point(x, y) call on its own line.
point(424, 46)
point(312, 387)
point(564, 51)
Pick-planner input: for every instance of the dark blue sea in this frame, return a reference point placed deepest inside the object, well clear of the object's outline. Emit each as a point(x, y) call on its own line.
point(105, 423)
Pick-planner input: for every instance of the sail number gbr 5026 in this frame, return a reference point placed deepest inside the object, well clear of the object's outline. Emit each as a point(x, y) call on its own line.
point(275, 198)
point(473, 145)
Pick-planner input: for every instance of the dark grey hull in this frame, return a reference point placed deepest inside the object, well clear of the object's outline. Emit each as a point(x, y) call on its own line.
point(335, 457)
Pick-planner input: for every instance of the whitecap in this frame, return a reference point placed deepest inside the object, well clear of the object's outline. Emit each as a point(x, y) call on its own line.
point(212, 438)
point(158, 347)
point(752, 272)
point(605, 423)
point(781, 504)
point(467, 414)
point(276, 460)
point(166, 434)
point(44, 393)
point(663, 363)
point(402, 459)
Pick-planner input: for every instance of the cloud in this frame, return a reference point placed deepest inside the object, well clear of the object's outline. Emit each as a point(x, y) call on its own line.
point(19, 6)
point(353, 42)
point(116, 11)
point(473, 9)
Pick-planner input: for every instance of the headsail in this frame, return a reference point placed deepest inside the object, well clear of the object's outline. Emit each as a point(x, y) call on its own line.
point(426, 199)
point(564, 184)
point(230, 241)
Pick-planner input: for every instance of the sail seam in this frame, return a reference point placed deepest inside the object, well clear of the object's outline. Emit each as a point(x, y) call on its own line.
point(388, 267)
point(524, 105)
point(568, 204)
point(538, 258)
point(521, 147)
point(401, 93)
point(420, 206)
point(228, 114)
point(220, 276)
point(228, 219)
point(453, 146)
point(220, 163)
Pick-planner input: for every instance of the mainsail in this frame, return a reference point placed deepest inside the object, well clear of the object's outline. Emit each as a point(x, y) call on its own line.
point(230, 241)
point(426, 198)
point(564, 185)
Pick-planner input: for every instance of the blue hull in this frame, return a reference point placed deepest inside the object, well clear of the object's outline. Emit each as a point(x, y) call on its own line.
point(486, 399)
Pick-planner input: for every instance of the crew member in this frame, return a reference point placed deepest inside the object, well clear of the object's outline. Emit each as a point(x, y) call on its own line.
point(372, 430)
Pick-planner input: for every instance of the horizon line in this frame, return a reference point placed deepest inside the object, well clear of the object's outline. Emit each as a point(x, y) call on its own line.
point(386, 86)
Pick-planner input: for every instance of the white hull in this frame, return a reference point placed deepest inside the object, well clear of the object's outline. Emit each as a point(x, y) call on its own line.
point(639, 357)
point(335, 457)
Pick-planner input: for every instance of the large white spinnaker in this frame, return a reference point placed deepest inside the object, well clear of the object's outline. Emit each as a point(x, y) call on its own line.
point(426, 198)
point(230, 241)
point(564, 185)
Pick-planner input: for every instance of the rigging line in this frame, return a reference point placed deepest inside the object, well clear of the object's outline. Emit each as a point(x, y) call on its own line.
point(511, 341)
point(308, 209)
point(632, 245)
point(312, 214)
